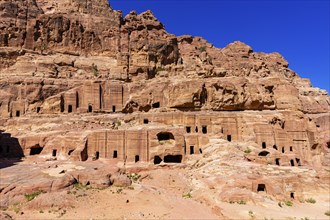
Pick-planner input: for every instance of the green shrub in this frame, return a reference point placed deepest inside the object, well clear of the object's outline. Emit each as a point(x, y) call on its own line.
point(79, 185)
point(95, 70)
point(134, 177)
point(33, 195)
point(310, 200)
point(241, 202)
point(288, 203)
point(202, 49)
point(247, 151)
point(187, 195)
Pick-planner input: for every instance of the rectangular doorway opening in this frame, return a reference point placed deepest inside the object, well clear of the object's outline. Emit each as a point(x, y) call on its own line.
point(261, 188)
point(69, 108)
point(115, 154)
point(113, 108)
point(277, 161)
point(292, 163)
point(292, 195)
point(192, 150)
point(90, 108)
point(204, 129)
point(188, 129)
point(54, 153)
point(229, 138)
point(18, 113)
point(137, 158)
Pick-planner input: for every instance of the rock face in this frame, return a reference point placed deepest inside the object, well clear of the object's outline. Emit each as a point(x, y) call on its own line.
point(78, 81)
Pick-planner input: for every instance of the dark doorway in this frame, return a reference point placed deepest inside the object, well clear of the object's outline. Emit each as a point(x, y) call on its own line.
point(263, 145)
point(229, 138)
point(156, 105)
point(137, 158)
point(196, 129)
point(162, 136)
point(54, 153)
point(69, 108)
point(35, 150)
point(263, 153)
point(277, 161)
point(291, 148)
point(18, 113)
point(70, 152)
point(62, 104)
point(97, 155)
point(298, 161)
point(275, 147)
point(261, 188)
point(292, 163)
point(292, 195)
point(173, 159)
point(192, 150)
point(90, 108)
point(157, 160)
point(204, 129)
point(188, 129)
point(113, 108)
point(283, 150)
point(145, 121)
point(115, 154)
point(77, 100)
point(38, 109)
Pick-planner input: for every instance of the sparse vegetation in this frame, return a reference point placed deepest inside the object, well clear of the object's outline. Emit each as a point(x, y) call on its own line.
point(79, 185)
point(134, 177)
point(95, 70)
point(158, 69)
point(187, 195)
point(288, 203)
point(240, 202)
point(33, 195)
point(117, 123)
point(279, 204)
point(327, 213)
point(202, 49)
point(252, 215)
point(247, 151)
point(305, 218)
point(16, 208)
point(310, 200)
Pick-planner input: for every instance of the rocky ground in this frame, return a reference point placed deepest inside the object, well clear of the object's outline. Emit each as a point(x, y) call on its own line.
point(213, 185)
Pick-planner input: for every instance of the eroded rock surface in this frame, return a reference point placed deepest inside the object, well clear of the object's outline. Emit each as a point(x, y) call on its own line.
point(81, 82)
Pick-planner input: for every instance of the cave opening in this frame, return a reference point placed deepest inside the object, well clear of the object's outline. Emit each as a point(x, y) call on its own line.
point(163, 136)
point(35, 150)
point(263, 153)
point(157, 160)
point(173, 159)
point(261, 187)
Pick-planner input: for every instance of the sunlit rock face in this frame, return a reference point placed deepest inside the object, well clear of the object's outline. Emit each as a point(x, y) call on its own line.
point(78, 81)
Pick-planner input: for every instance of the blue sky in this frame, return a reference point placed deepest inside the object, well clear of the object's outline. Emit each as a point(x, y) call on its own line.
point(299, 30)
